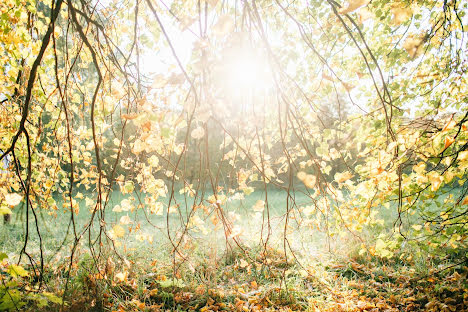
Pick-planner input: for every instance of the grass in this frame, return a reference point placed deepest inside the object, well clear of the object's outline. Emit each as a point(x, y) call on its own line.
point(215, 274)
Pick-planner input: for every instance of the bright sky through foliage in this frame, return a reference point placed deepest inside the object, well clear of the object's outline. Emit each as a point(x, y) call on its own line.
point(221, 155)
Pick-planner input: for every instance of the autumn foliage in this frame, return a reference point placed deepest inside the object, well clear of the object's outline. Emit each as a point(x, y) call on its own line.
point(233, 155)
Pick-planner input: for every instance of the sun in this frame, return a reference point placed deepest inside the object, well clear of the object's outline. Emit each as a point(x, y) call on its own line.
point(247, 71)
point(245, 77)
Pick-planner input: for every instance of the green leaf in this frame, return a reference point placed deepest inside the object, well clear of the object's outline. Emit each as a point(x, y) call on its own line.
point(172, 282)
point(16, 270)
point(52, 297)
point(129, 186)
point(3, 256)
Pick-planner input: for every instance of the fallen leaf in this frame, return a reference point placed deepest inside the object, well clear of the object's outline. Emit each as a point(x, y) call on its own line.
point(243, 264)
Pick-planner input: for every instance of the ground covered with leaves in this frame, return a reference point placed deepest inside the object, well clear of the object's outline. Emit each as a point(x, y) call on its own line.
point(247, 280)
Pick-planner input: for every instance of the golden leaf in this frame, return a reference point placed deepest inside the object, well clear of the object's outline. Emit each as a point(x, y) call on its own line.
point(342, 177)
point(129, 116)
point(417, 227)
point(412, 46)
point(301, 175)
point(310, 181)
point(353, 5)
point(449, 125)
point(435, 180)
point(448, 141)
point(463, 155)
point(125, 220)
point(5, 211)
point(401, 15)
point(121, 276)
point(465, 201)
point(118, 231)
point(243, 263)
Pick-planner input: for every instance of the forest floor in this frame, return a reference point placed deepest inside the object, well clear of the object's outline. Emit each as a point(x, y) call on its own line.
point(247, 277)
point(266, 282)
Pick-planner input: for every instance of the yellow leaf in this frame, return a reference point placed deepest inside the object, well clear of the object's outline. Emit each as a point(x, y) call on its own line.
point(5, 211)
point(412, 46)
point(118, 231)
point(401, 15)
point(463, 155)
point(125, 220)
point(449, 125)
point(153, 161)
point(16, 270)
point(301, 175)
point(417, 227)
point(352, 6)
point(157, 208)
point(436, 181)
point(121, 276)
point(310, 181)
point(419, 168)
point(129, 116)
point(342, 177)
point(243, 263)
point(364, 15)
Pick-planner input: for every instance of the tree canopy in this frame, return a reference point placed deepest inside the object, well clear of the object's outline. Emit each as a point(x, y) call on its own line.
point(182, 107)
